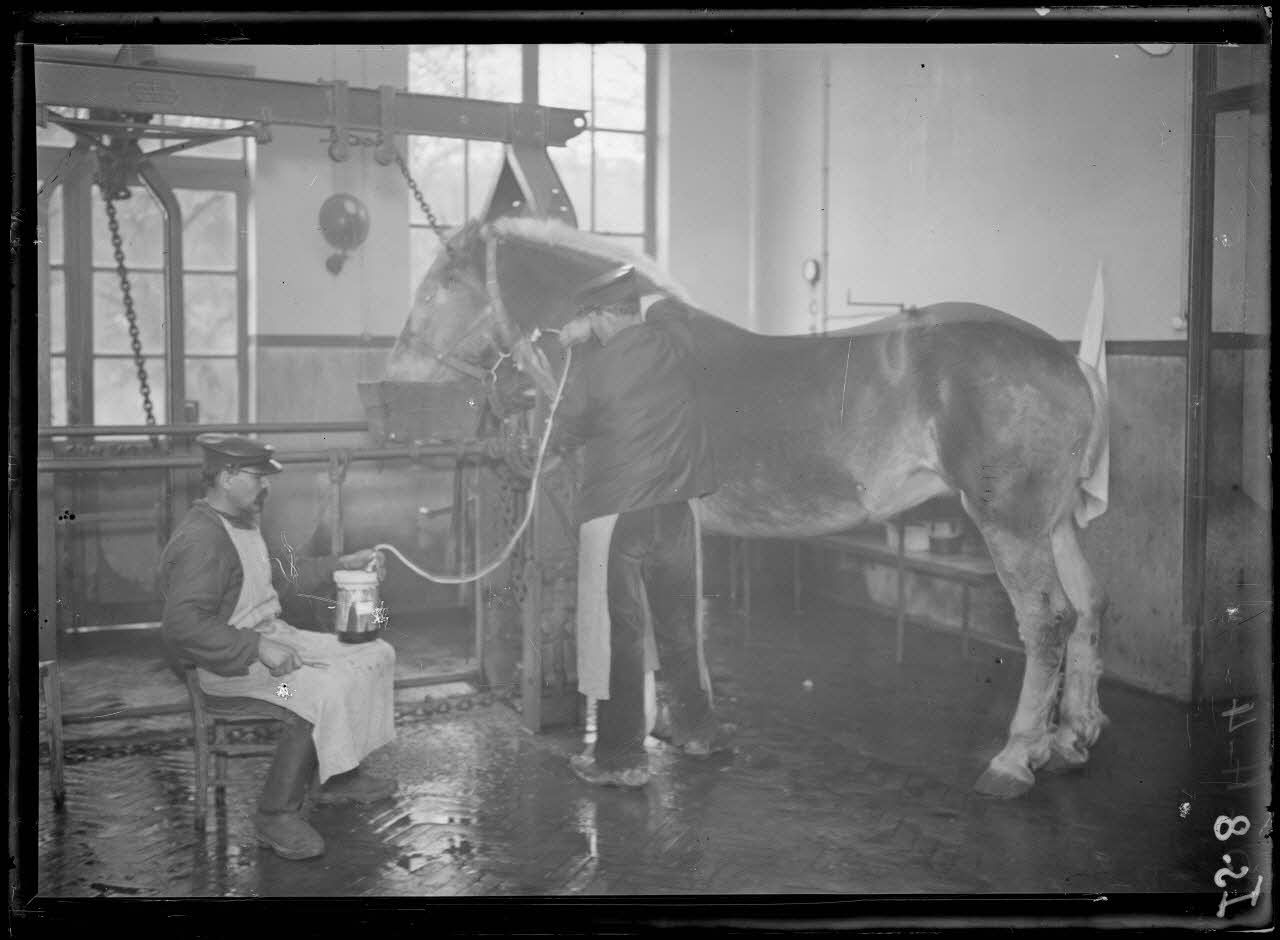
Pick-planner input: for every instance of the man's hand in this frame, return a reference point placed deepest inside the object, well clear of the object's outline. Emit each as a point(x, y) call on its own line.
point(365, 558)
point(278, 658)
point(575, 331)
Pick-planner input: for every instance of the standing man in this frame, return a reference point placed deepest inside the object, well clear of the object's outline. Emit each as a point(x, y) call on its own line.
point(221, 613)
point(629, 401)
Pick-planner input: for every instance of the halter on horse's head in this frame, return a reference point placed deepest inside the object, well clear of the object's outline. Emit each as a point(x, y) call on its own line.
point(493, 287)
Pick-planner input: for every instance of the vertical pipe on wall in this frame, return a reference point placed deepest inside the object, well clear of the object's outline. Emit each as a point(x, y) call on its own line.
point(1199, 328)
point(650, 149)
point(824, 208)
point(753, 193)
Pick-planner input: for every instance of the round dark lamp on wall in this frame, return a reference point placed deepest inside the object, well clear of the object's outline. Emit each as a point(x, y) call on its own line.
point(344, 222)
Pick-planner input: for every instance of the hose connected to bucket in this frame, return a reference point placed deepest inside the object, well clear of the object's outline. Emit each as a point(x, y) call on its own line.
point(528, 512)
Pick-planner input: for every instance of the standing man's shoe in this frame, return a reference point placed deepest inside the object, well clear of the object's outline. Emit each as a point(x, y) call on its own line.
point(586, 768)
point(288, 835)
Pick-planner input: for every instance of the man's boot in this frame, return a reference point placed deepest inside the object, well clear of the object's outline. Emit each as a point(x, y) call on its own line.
point(279, 822)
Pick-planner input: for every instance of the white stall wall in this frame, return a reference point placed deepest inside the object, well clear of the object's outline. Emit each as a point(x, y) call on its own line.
point(706, 167)
point(996, 174)
point(1003, 174)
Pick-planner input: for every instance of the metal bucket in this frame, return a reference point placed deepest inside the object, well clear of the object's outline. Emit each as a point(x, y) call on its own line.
point(358, 617)
point(403, 412)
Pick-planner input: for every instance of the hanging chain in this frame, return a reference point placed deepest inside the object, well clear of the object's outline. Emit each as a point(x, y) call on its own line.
point(422, 201)
point(361, 140)
point(126, 294)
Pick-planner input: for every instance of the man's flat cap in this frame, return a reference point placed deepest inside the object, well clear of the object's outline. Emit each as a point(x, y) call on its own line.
point(238, 453)
point(615, 286)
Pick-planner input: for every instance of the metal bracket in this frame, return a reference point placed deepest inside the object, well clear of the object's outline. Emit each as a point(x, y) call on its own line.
point(385, 153)
point(339, 462)
point(528, 184)
point(339, 149)
point(263, 130)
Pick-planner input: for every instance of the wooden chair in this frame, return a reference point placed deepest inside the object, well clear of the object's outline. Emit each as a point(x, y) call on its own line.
point(211, 719)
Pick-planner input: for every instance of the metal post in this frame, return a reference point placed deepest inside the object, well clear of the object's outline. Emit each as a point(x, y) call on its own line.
point(477, 614)
point(1199, 328)
point(902, 589)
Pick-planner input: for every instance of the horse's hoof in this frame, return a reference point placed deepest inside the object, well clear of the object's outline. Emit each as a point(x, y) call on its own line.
point(1002, 785)
point(1060, 762)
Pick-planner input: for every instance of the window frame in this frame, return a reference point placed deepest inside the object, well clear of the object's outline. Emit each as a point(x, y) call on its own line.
point(529, 62)
point(75, 179)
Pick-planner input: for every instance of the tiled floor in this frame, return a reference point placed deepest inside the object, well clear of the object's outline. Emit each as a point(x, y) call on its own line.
point(854, 782)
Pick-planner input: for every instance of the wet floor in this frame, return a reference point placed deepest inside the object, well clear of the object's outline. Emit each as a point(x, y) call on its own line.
point(852, 776)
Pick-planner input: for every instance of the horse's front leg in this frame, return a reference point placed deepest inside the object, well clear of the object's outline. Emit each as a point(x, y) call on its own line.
point(1026, 568)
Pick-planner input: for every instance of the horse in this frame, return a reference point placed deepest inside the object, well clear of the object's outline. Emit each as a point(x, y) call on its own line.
point(816, 434)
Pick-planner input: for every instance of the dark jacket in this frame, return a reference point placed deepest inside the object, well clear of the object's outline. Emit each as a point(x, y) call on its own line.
point(200, 577)
point(632, 405)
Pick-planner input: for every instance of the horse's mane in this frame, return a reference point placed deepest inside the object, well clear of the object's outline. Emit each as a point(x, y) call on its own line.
point(586, 247)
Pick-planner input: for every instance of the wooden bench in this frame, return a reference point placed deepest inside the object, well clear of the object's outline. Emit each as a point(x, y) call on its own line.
point(968, 571)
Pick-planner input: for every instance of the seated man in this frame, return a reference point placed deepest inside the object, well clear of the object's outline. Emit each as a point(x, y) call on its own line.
point(221, 613)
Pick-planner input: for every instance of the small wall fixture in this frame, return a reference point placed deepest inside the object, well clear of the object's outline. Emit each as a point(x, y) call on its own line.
point(811, 271)
point(344, 221)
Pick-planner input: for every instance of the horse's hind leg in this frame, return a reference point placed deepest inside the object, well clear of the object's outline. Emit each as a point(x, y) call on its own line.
point(1080, 718)
point(1026, 568)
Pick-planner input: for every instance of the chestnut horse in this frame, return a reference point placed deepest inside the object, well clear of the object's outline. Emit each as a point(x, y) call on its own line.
point(816, 434)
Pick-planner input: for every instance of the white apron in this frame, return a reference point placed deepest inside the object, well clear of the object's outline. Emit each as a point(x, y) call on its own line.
point(593, 646)
point(350, 703)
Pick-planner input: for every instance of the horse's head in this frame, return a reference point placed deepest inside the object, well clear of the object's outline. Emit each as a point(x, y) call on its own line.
point(493, 287)
point(451, 321)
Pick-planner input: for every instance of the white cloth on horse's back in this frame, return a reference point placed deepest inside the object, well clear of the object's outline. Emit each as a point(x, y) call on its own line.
point(1093, 353)
point(350, 701)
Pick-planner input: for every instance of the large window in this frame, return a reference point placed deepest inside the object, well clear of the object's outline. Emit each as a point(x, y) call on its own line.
point(607, 170)
point(93, 375)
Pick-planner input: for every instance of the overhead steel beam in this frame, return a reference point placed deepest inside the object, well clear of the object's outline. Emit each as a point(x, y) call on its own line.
point(77, 84)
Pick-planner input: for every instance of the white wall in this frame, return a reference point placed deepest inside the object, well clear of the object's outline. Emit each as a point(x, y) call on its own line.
point(996, 174)
point(705, 204)
point(293, 175)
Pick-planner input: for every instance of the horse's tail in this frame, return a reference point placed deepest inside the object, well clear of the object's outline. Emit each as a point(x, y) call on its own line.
point(1095, 443)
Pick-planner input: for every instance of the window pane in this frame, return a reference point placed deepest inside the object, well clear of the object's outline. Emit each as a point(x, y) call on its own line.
point(573, 163)
point(111, 329)
point(619, 87)
point(435, 70)
point(209, 314)
point(564, 76)
point(208, 228)
point(1242, 65)
point(619, 182)
point(58, 389)
point(215, 385)
point(53, 233)
point(493, 72)
point(484, 160)
point(116, 398)
point(436, 164)
point(57, 310)
point(141, 229)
